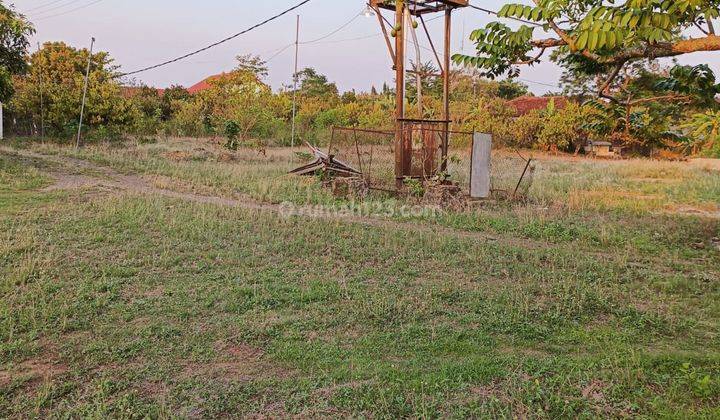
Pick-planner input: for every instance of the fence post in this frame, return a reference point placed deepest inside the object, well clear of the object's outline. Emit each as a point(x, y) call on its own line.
point(480, 166)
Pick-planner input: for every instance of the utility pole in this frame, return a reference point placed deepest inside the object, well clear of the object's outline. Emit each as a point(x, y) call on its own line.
point(400, 146)
point(82, 107)
point(42, 102)
point(295, 83)
point(446, 89)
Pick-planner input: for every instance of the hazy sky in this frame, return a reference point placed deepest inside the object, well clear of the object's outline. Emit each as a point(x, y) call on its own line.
point(141, 33)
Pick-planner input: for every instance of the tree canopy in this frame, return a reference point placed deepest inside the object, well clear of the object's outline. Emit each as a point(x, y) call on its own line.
point(59, 70)
point(15, 31)
point(593, 36)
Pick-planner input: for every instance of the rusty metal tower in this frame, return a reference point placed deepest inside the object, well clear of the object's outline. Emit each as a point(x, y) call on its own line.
point(406, 128)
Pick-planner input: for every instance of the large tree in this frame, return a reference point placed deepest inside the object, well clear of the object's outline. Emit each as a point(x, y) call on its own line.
point(15, 31)
point(59, 70)
point(594, 36)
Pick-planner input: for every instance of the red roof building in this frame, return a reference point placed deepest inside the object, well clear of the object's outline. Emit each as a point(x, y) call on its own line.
point(525, 104)
point(204, 84)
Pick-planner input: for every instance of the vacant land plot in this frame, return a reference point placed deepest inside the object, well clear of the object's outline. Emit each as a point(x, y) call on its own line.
point(164, 280)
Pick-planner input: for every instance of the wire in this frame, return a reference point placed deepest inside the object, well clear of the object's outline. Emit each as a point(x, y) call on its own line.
point(42, 6)
point(539, 83)
point(222, 41)
point(343, 26)
point(280, 51)
point(59, 6)
point(338, 41)
point(70, 11)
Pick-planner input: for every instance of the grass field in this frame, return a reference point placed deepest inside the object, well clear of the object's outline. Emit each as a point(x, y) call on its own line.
point(163, 281)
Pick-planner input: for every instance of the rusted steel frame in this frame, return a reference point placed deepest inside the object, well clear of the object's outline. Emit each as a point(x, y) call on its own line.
point(418, 63)
point(332, 140)
point(357, 150)
point(385, 34)
point(465, 133)
point(372, 149)
point(446, 88)
point(365, 130)
point(420, 120)
point(417, 122)
point(425, 7)
point(432, 45)
point(527, 166)
point(400, 152)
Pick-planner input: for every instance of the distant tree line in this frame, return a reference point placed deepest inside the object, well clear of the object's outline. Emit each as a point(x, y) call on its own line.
point(652, 106)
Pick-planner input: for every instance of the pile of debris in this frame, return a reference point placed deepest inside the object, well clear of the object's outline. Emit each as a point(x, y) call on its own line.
point(326, 164)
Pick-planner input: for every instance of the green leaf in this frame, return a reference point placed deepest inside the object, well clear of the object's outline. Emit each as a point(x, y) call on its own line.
point(582, 41)
point(592, 41)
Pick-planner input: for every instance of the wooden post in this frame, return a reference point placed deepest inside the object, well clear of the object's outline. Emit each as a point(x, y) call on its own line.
point(42, 101)
point(446, 89)
point(82, 107)
point(399, 93)
point(295, 83)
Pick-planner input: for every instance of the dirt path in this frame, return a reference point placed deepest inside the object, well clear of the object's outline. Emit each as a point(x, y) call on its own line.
point(108, 178)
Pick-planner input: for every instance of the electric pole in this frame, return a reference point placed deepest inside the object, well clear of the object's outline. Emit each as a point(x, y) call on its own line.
point(295, 83)
point(82, 107)
point(42, 102)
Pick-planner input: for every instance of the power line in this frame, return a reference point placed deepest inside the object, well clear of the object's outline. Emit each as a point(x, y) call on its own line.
point(343, 26)
point(65, 3)
point(339, 41)
point(44, 5)
point(215, 44)
point(539, 83)
point(70, 11)
point(280, 51)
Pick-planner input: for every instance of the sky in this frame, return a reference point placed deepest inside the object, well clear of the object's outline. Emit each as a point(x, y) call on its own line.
point(140, 33)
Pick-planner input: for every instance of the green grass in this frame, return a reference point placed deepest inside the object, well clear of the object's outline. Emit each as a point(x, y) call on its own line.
point(118, 305)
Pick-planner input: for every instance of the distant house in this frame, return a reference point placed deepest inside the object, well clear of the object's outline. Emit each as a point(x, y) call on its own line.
point(526, 104)
point(602, 149)
point(204, 84)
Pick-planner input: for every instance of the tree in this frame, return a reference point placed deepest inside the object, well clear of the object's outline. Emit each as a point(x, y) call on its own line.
point(593, 36)
point(314, 84)
point(252, 64)
point(15, 32)
point(704, 132)
point(171, 97)
point(240, 105)
point(430, 81)
point(62, 70)
point(564, 129)
point(651, 101)
point(510, 89)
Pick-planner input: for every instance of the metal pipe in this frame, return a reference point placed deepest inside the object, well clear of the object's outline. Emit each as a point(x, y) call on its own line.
point(295, 82)
point(42, 101)
point(82, 107)
point(527, 166)
point(418, 64)
point(399, 93)
point(385, 34)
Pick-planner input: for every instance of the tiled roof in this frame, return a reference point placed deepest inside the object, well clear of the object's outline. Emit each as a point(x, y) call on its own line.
point(525, 104)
